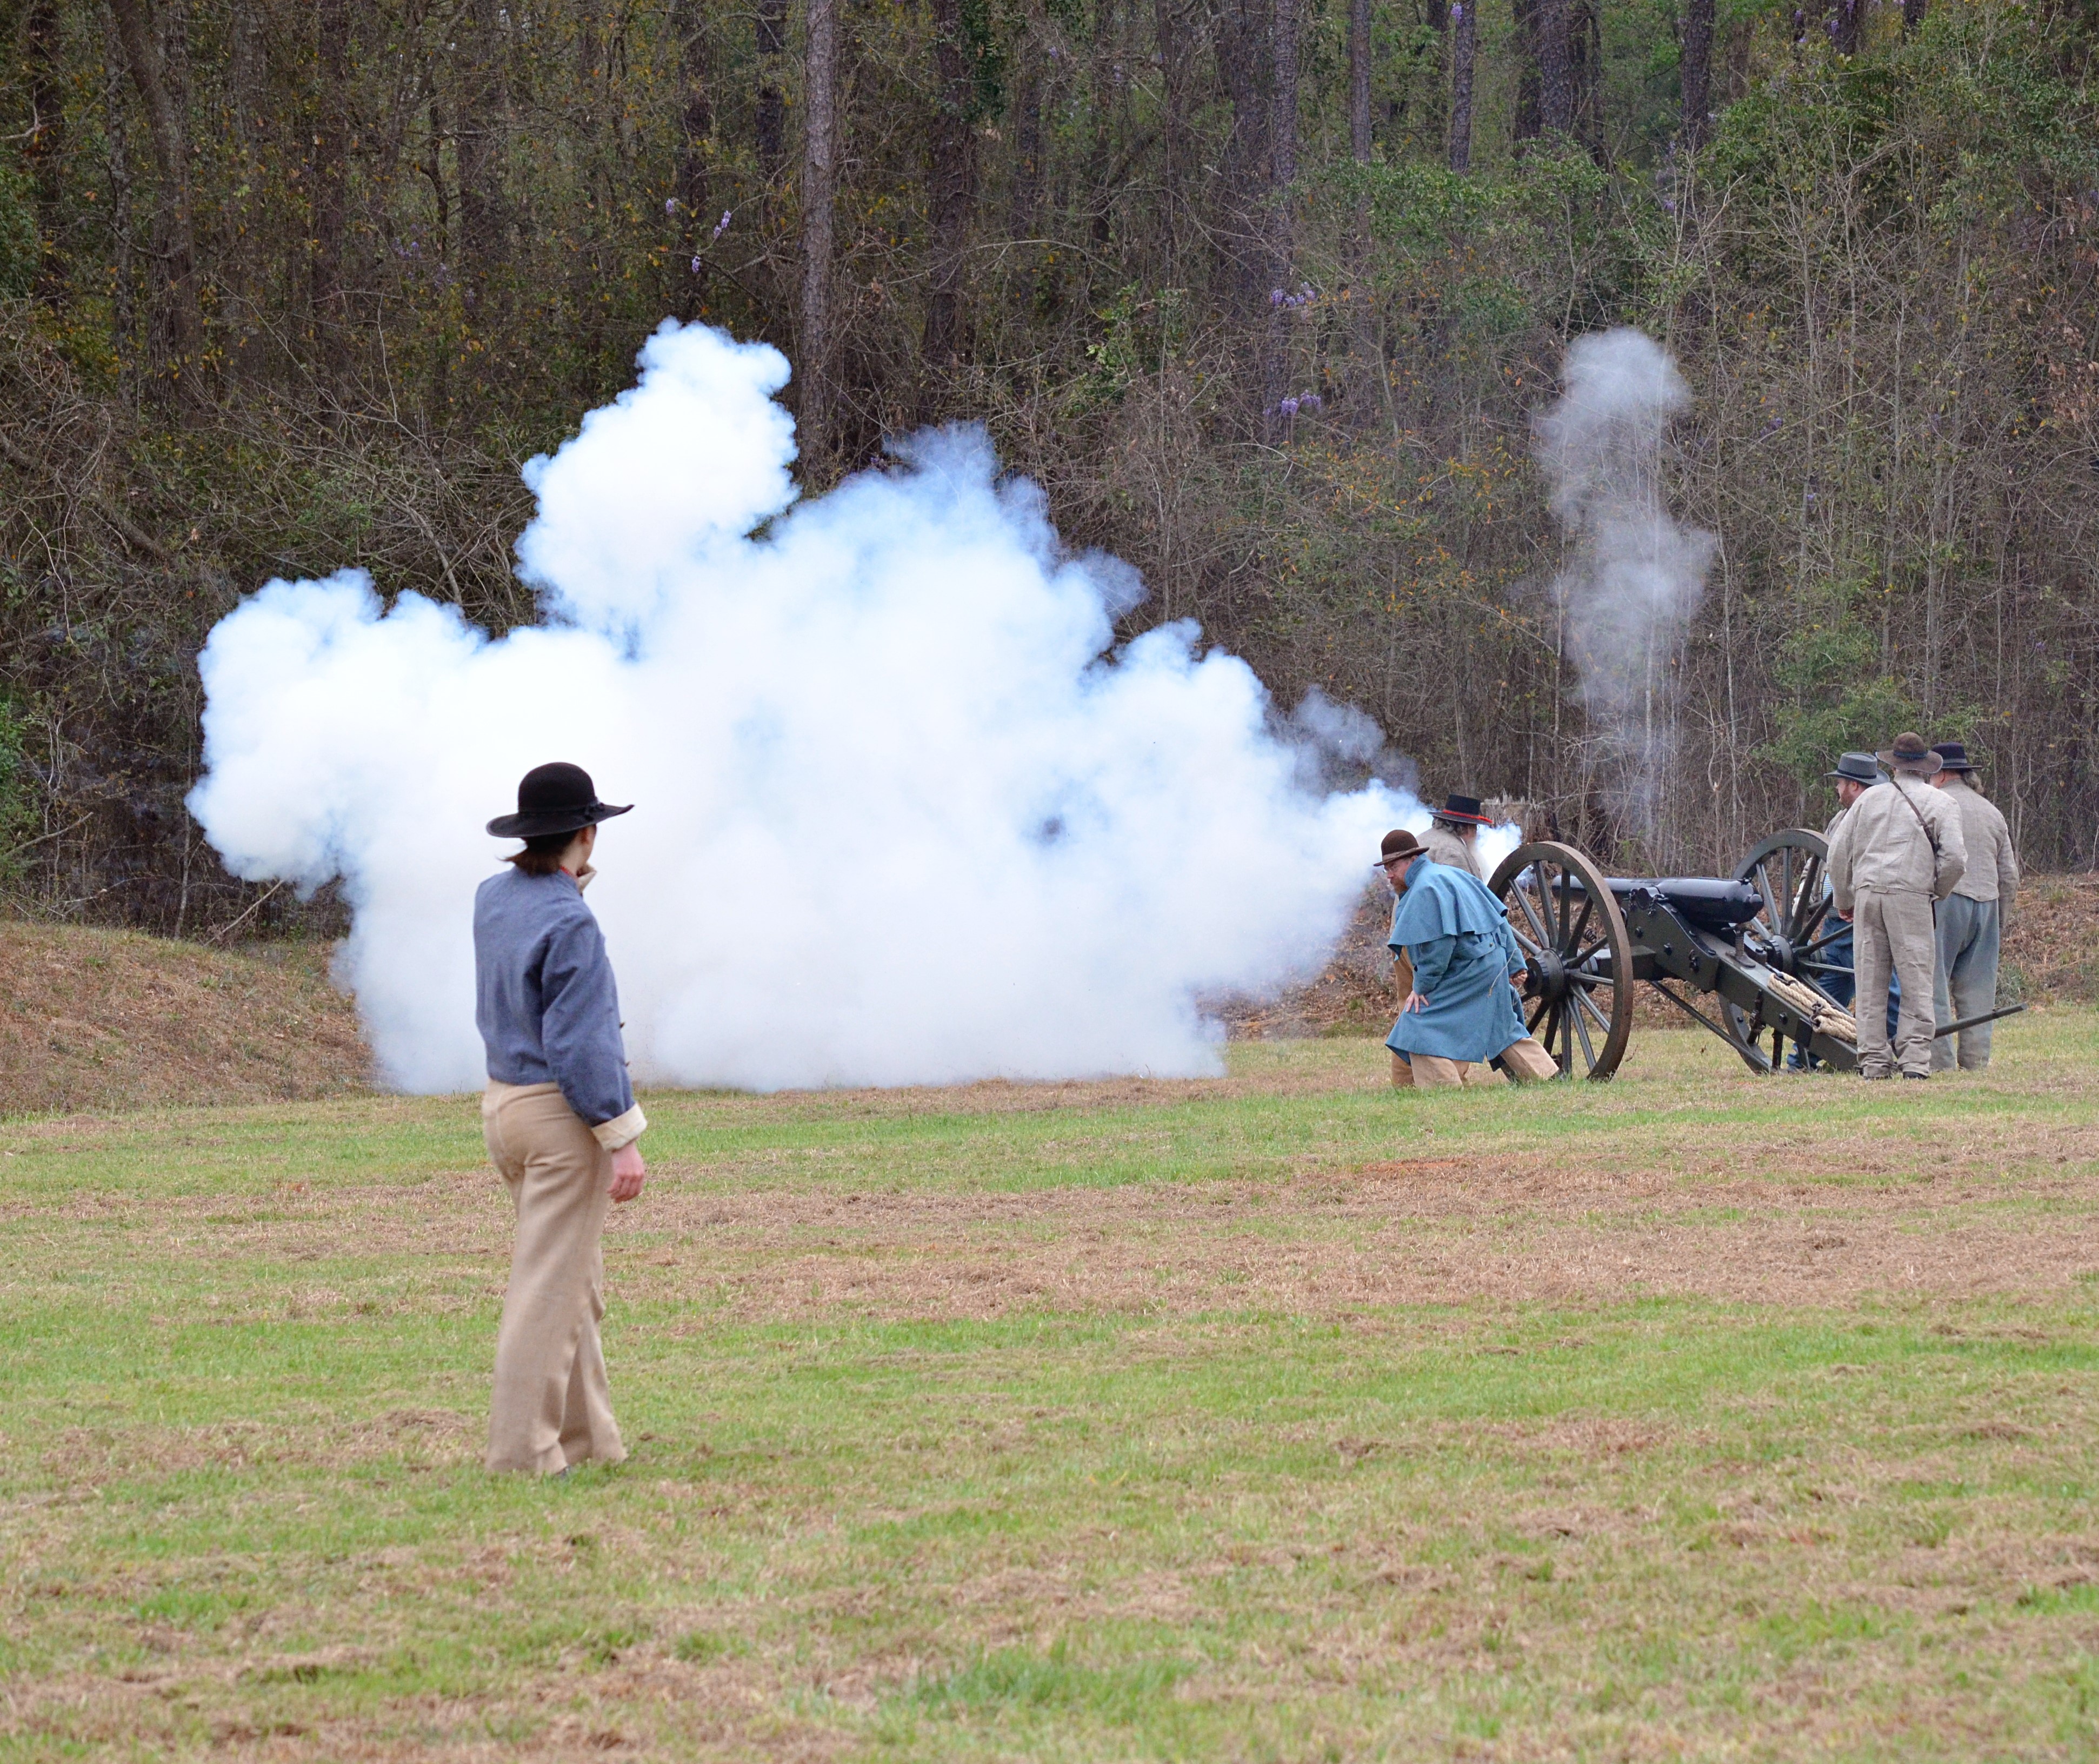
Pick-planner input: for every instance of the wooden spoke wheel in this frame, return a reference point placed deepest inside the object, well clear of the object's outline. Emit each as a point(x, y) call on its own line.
point(1792, 932)
point(1577, 998)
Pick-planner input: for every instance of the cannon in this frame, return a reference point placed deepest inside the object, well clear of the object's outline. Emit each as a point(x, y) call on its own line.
point(1758, 945)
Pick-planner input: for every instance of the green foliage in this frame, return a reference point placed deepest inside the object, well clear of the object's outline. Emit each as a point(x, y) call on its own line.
point(1839, 694)
point(20, 247)
point(18, 794)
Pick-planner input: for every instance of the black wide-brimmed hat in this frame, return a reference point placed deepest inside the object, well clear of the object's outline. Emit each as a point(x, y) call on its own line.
point(1952, 756)
point(1909, 753)
point(559, 798)
point(1463, 809)
point(1398, 843)
point(1860, 768)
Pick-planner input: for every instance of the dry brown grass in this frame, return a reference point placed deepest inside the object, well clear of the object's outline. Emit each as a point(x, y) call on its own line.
point(91, 1018)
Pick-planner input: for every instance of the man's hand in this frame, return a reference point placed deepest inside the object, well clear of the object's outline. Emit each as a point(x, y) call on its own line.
point(1414, 1001)
point(628, 1172)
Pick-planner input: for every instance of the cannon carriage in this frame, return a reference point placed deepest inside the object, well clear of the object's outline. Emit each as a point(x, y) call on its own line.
point(1758, 946)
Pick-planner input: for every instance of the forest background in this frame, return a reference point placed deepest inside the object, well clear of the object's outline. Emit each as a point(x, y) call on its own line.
point(1266, 293)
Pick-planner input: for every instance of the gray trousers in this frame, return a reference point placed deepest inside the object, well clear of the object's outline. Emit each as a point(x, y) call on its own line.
point(1968, 933)
point(1894, 932)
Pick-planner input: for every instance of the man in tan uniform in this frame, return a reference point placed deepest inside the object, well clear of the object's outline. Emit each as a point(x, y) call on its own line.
point(1974, 917)
point(1898, 850)
point(1453, 832)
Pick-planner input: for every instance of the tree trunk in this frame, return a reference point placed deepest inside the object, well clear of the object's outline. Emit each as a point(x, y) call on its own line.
point(1845, 26)
point(1283, 244)
point(116, 150)
point(1585, 57)
point(1556, 81)
point(1912, 17)
point(45, 148)
point(330, 174)
point(1524, 126)
point(1106, 85)
point(1245, 69)
point(182, 313)
point(1175, 144)
point(772, 118)
point(1695, 71)
point(1024, 212)
point(819, 192)
point(1359, 80)
point(696, 125)
point(479, 114)
point(1464, 43)
point(950, 193)
point(1435, 108)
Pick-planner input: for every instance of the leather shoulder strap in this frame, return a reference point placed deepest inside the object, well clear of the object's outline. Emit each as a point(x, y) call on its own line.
point(1930, 837)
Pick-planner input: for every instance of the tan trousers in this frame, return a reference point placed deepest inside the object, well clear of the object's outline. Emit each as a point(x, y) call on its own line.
point(1895, 931)
point(1523, 1061)
point(553, 1407)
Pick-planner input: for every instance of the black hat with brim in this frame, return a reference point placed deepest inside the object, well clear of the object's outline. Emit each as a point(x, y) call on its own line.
point(1860, 768)
point(1462, 809)
point(1952, 756)
point(558, 798)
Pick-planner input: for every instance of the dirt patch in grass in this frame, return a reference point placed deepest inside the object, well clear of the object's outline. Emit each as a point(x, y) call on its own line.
point(2016, 1214)
point(100, 1019)
point(1443, 1232)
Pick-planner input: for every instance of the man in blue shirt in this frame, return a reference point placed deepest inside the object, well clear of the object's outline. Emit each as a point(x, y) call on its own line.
point(1463, 1010)
point(560, 1121)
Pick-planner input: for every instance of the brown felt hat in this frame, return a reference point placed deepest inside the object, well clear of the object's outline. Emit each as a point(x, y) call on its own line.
point(1910, 753)
point(1398, 843)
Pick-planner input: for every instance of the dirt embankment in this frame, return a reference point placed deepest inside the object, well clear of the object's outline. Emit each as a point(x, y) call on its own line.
point(2053, 953)
point(102, 1019)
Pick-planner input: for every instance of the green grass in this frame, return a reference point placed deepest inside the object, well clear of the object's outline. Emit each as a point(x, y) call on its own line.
point(1287, 1417)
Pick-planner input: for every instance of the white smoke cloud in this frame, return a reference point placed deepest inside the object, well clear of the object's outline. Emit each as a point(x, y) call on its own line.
point(902, 814)
point(1637, 575)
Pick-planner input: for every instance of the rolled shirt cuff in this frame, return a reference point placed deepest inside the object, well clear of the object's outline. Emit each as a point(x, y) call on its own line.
point(622, 1129)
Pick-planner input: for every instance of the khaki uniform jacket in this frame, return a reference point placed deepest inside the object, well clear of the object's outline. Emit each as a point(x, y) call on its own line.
point(1993, 867)
point(1445, 846)
point(1900, 837)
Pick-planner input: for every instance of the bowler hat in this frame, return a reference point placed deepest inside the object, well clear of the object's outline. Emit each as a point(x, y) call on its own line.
point(559, 798)
point(1909, 754)
point(1463, 809)
point(1398, 843)
point(1860, 768)
point(1952, 756)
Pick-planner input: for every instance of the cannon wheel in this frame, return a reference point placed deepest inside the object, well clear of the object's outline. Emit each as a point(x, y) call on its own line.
point(1788, 870)
point(1568, 926)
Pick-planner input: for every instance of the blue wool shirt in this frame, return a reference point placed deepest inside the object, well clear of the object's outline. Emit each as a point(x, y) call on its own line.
point(544, 997)
point(1457, 935)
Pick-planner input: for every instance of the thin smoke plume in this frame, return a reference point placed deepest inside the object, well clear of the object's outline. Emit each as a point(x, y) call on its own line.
point(905, 813)
point(1626, 598)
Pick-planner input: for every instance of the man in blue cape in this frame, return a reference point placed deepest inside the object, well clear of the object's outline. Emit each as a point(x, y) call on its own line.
point(1463, 1010)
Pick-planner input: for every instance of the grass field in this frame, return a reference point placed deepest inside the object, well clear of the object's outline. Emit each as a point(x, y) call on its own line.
point(1281, 1417)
